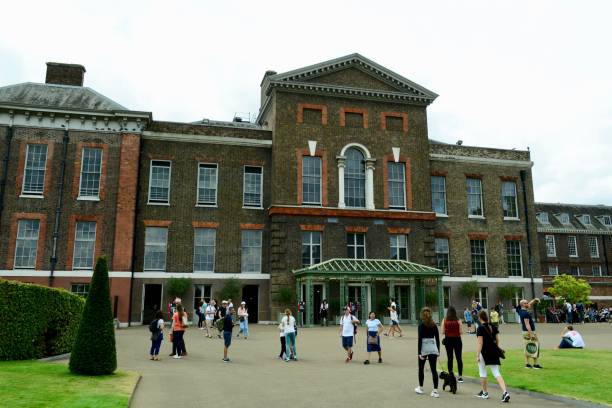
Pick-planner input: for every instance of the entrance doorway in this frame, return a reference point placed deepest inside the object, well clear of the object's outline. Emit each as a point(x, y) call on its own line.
point(359, 296)
point(316, 302)
point(250, 295)
point(402, 301)
point(152, 301)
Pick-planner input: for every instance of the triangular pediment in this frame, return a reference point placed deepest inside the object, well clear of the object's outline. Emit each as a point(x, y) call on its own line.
point(356, 78)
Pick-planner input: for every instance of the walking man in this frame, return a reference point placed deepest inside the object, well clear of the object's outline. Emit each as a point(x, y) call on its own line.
point(228, 326)
point(347, 331)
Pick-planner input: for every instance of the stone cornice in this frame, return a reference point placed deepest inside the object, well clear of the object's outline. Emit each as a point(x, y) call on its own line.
point(351, 213)
point(552, 230)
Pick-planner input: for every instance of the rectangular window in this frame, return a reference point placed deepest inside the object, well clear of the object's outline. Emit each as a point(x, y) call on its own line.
point(575, 270)
point(159, 182)
point(474, 197)
point(607, 221)
point(585, 219)
point(572, 248)
point(553, 270)
point(551, 249)
point(251, 251)
point(311, 247)
point(156, 245)
point(543, 218)
point(399, 246)
point(447, 296)
point(80, 289)
point(91, 169)
point(204, 250)
point(26, 245)
point(355, 245)
point(201, 293)
point(483, 297)
point(253, 184)
point(479, 257)
point(438, 194)
point(593, 247)
point(509, 199)
point(563, 218)
point(34, 173)
point(311, 180)
point(207, 184)
point(84, 245)
point(596, 270)
point(513, 256)
point(518, 296)
point(354, 120)
point(442, 255)
point(396, 184)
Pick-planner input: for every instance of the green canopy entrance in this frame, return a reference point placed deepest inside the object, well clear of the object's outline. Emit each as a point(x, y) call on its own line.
point(364, 280)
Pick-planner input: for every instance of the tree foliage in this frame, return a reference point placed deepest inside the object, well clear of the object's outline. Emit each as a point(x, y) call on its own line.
point(507, 292)
point(232, 289)
point(178, 287)
point(469, 290)
point(571, 289)
point(285, 295)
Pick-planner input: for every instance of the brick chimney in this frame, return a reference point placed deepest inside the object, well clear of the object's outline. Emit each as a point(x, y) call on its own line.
point(65, 74)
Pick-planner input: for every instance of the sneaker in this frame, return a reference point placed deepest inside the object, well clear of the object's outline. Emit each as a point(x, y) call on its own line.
point(528, 366)
point(506, 397)
point(177, 357)
point(287, 360)
point(226, 360)
point(366, 362)
point(537, 367)
point(347, 360)
point(435, 394)
point(460, 380)
point(418, 390)
point(483, 395)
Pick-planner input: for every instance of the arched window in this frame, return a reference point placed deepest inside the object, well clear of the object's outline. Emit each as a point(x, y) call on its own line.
point(354, 178)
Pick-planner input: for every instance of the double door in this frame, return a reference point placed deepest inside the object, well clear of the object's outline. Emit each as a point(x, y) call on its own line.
point(402, 301)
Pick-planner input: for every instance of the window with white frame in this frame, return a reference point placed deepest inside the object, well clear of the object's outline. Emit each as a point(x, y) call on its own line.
point(606, 220)
point(159, 182)
point(593, 247)
point(207, 184)
point(80, 289)
point(514, 259)
point(596, 270)
point(84, 245)
point(509, 202)
point(572, 247)
point(543, 218)
point(311, 180)
point(398, 244)
point(26, 244)
point(483, 297)
point(251, 251)
point(551, 248)
point(253, 186)
point(355, 245)
point(447, 296)
point(156, 245)
point(564, 218)
point(442, 255)
point(204, 249)
point(354, 178)
point(479, 257)
point(438, 194)
point(575, 270)
point(396, 184)
point(585, 219)
point(311, 247)
point(201, 293)
point(553, 270)
point(34, 172)
point(474, 197)
point(91, 169)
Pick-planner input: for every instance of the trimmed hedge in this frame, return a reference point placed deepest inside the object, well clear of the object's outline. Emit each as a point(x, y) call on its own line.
point(37, 321)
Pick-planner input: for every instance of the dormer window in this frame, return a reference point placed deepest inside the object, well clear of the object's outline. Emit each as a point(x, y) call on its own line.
point(563, 218)
point(606, 220)
point(585, 219)
point(542, 218)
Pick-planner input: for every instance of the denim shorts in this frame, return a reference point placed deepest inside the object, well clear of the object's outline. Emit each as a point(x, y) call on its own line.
point(227, 338)
point(347, 341)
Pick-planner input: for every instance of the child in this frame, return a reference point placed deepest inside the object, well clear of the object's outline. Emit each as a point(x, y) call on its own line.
point(283, 343)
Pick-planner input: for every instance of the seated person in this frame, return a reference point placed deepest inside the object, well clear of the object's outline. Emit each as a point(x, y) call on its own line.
point(570, 338)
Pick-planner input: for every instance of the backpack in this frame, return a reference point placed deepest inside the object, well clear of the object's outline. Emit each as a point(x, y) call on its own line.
point(154, 326)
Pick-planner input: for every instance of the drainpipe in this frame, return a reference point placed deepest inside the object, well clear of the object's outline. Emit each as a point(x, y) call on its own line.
point(140, 147)
point(7, 157)
point(58, 207)
point(605, 252)
point(529, 249)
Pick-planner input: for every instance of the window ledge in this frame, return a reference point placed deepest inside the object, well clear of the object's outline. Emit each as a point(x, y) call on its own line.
point(315, 205)
point(83, 269)
point(207, 205)
point(154, 270)
point(88, 198)
point(511, 219)
point(24, 268)
point(165, 204)
point(252, 208)
point(476, 217)
point(31, 196)
point(440, 215)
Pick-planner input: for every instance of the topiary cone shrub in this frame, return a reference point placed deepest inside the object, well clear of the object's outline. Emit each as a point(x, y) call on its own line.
point(94, 350)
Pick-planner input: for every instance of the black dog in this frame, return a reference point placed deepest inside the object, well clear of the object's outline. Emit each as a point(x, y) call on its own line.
point(449, 380)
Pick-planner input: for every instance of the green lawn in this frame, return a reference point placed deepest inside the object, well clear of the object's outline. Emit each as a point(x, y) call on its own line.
point(35, 384)
point(579, 374)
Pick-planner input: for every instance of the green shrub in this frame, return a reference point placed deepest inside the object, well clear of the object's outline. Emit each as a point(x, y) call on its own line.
point(285, 295)
point(36, 321)
point(94, 350)
point(232, 289)
point(178, 287)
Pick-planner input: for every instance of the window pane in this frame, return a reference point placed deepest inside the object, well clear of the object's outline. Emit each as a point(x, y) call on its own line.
point(571, 246)
point(397, 185)
point(551, 249)
point(479, 257)
point(438, 194)
point(159, 188)
point(156, 239)
point(513, 255)
point(399, 247)
point(509, 199)
point(207, 184)
point(34, 176)
point(81, 289)
point(311, 247)
point(251, 251)
point(311, 180)
point(84, 245)
point(354, 179)
point(474, 196)
point(204, 250)
point(91, 168)
point(593, 247)
point(355, 245)
point(26, 244)
point(252, 186)
point(442, 254)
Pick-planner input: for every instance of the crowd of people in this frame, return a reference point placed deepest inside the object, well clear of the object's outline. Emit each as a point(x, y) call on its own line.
point(578, 313)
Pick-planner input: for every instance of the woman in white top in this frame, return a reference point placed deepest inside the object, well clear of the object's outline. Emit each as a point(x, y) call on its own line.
point(394, 322)
point(243, 317)
point(375, 328)
point(288, 324)
point(209, 317)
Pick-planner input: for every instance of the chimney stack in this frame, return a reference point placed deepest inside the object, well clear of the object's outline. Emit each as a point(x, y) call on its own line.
point(65, 74)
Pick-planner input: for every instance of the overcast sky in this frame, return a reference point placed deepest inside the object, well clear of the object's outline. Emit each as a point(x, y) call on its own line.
point(509, 74)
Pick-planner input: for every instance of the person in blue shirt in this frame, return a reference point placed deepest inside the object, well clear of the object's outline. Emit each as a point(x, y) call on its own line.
point(529, 333)
point(467, 316)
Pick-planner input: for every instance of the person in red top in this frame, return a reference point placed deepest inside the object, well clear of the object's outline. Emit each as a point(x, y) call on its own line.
point(452, 331)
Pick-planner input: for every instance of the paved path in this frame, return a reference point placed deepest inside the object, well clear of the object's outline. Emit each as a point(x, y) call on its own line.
point(256, 378)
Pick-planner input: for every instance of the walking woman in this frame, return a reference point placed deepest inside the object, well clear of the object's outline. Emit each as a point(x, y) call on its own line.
point(288, 324)
point(394, 322)
point(243, 317)
point(179, 323)
point(157, 335)
point(452, 331)
point(488, 354)
point(429, 349)
point(375, 328)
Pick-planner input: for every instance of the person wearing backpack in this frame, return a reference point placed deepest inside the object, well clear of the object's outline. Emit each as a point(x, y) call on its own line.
point(156, 327)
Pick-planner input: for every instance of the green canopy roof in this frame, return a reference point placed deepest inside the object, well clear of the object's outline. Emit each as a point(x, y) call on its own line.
point(345, 266)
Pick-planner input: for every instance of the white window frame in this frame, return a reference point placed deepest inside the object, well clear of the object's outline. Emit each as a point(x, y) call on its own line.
point(144, 258)
point(403, 166)
point(606, 221)
point(554, 268)
point(550, 239)
point(304, 202)
point(214, 250)
point(355, 245)
point(261, 192)
point(398, 247)
point(36, 194)
point(485, 290)
point(577, 270)
point(15, 266)
point(572, 238)
point(448, 272)
point(310, 244)
point(596, 268)
point(543, 217)
point(445, 213)
point(198, 204)
point(74, 248)
point(520, 254)
point(485, 257)
point(515, 200)
point(242, 264)
point(519, 295)
point(79, 285)
point(564, 218)
point(149, 202)
point(593, 239)
point(482, 215)
point(205, 289)
point(585, 219)
point(96, 197)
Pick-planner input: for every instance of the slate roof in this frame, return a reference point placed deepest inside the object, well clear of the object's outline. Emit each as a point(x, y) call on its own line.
point(596, 212)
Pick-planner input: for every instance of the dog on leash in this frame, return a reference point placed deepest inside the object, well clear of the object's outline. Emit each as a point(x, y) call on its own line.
point(449, 381)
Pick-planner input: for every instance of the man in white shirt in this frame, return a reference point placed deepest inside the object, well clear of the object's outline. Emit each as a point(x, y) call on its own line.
point(570, 338)
point(347, 331)
point(209, 317)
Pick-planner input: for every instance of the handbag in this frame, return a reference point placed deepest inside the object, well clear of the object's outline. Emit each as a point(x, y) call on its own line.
point(500, 351)
point(373, 339)
point(429, 346)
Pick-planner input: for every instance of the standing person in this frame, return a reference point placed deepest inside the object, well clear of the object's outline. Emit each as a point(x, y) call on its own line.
point(209, 317)
point(243, 318)
point(395, 327)
point(347, 332)
point(283, 342)
point(487, 354)
point(568, 312)
point(452, 331)
point(580, 311)
point(500, 310)
point(301, 306)
point(228, 326)
point(323, 312)
point(200, 313)
point(495, 318)
point(428, 349)
point(375, 328)
point(467, 316)
point(157, 334)
point(221, 313)
point(529, 333)
point(288, 324)
point(179, 323)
